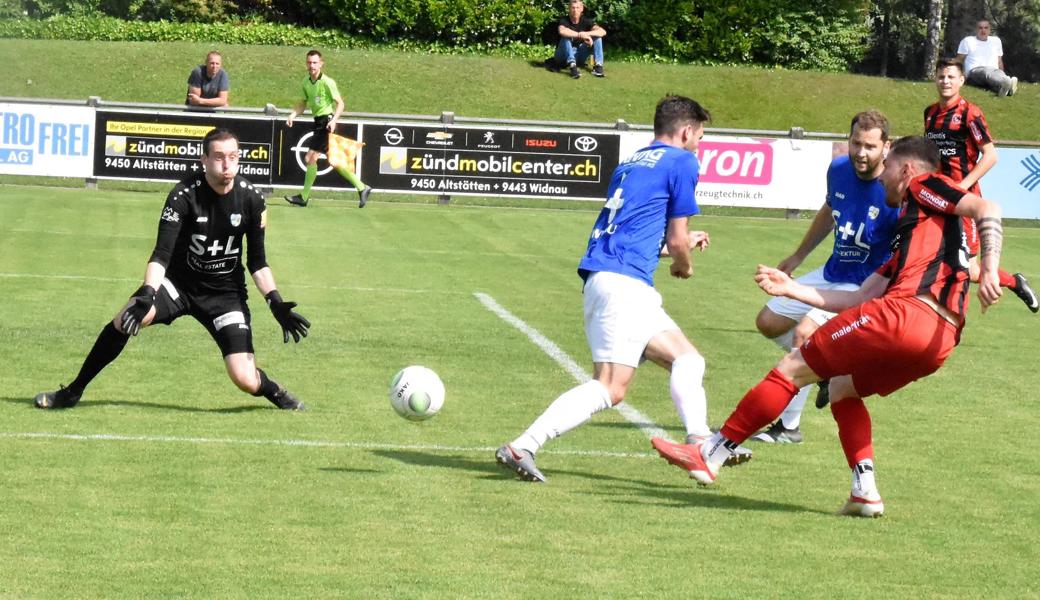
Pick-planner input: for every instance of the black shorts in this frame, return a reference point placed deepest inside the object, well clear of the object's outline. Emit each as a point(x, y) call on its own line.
point(224, 315)
point(319, 141)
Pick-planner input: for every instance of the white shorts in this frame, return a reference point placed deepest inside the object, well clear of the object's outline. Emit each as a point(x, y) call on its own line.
point(795, 310)
point(622, 314)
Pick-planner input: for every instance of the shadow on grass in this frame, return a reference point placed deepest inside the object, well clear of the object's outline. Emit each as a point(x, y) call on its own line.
point(691, 496)
point(484, 466)
point(88, 404)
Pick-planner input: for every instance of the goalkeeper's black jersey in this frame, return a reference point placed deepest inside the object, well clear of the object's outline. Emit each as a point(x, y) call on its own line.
point(200, 236)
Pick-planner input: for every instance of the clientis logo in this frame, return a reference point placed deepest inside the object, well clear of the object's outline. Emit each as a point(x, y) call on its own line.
point(747, 163)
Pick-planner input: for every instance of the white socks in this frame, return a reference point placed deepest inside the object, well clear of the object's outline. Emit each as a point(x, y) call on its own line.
point(570, 409)
point(687, 387)
point(792, 415)
point(716, 451)
point(863, 483)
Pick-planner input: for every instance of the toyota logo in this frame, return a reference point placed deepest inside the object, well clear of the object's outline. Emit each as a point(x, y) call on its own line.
point(393, 136)
point(586, 143)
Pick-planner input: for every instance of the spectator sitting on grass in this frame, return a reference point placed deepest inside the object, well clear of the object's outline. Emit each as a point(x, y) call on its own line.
point(579, 36)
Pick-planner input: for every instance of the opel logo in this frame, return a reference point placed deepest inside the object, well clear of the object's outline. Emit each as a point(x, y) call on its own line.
point(393, 136)
point(586, 143)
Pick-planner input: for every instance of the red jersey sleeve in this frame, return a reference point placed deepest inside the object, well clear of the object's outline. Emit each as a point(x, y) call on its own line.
point(977, 127)
point(936, 193)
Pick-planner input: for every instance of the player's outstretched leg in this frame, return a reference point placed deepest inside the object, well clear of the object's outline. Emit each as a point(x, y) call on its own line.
point(107, 347)
point(1025, 292)
point(519, 461)
point(569, 410)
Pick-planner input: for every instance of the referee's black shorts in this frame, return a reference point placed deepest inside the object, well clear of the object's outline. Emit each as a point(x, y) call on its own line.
point(319, 141)
point(225, 315)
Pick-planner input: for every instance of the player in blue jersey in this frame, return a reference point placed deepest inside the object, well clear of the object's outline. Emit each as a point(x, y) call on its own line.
point(863, 226)
point(649, 202)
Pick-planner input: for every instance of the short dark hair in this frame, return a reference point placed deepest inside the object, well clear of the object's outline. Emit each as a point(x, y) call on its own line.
point(674, 112)
point(871, 119)
point(313, 53)
point(949, 62)
point(918, 148)
point(217, 135)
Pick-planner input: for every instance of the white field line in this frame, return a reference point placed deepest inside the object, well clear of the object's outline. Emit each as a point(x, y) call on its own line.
point(167, 439)
point(564, 360)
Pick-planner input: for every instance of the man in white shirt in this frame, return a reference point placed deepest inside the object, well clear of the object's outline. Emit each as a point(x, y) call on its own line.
point(983, 57)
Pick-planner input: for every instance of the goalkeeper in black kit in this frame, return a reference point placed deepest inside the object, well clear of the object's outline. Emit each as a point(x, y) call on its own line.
point(196, 269)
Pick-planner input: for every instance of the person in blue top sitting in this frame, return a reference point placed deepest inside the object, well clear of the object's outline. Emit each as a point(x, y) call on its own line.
point(863, 227)
point(649, 202)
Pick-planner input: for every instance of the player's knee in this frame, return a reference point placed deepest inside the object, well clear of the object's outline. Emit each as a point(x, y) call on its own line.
point(770, 324)
point(802, 332)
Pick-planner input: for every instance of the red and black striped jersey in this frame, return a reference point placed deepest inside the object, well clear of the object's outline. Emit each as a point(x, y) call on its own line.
point(929, 251)
point(960, 131)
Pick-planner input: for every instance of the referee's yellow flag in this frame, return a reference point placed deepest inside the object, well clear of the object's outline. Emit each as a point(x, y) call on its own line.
point(343, 151)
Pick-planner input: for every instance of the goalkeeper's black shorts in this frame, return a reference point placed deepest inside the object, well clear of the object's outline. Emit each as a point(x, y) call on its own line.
point(225, 315)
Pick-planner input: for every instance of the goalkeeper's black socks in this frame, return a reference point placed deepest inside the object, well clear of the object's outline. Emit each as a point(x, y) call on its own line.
point(268, 387)
point(109, 344)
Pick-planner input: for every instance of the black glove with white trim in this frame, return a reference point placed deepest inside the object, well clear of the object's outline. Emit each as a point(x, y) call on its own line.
point(293, 323)
point(140, 303)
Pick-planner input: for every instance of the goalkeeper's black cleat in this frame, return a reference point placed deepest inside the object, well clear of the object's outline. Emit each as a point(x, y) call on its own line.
point(363, 195)
point(285, 400)
point(63, 397)
point(296, 200)
point(1025, 292)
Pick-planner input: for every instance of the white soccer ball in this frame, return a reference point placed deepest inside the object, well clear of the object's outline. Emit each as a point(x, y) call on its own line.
point(416, 393)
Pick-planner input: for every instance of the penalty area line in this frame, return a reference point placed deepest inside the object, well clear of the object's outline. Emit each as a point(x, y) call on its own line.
point(631, 414)
point(169, 439)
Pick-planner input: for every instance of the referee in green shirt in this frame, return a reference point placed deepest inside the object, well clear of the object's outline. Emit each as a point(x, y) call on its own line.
point(322, 97)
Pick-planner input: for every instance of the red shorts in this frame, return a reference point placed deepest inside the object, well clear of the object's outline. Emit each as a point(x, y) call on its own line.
point(884, 344)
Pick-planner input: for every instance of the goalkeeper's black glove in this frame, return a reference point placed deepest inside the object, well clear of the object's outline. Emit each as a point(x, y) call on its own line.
point(140, 303)
point(293, 323)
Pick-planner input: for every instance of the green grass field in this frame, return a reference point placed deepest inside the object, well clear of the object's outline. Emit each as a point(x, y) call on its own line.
point(381, 81)
point(166, 481)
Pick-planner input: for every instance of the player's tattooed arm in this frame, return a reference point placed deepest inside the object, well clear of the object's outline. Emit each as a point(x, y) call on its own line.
point(991, 236)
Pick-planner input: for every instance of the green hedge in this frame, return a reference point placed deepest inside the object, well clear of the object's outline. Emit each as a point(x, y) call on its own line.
point(765, 32)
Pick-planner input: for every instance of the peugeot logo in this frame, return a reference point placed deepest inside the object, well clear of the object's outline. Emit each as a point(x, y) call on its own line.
point(586, 143)
point(393, 136)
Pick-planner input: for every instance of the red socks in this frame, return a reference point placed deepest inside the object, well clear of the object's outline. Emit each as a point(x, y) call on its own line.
point(1007, 280)
point(759, 407)
point(853, 429)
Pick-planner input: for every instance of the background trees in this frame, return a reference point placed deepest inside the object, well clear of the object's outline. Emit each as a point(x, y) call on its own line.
point(898, 38)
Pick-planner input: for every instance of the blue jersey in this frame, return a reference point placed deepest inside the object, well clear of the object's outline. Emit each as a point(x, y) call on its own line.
point(863, 224)
point(647, 189)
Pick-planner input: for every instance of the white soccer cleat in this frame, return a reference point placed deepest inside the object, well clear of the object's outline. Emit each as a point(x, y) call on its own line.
point(857, 506)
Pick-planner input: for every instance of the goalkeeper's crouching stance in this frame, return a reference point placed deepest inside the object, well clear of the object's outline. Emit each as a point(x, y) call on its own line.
point(196, 269)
